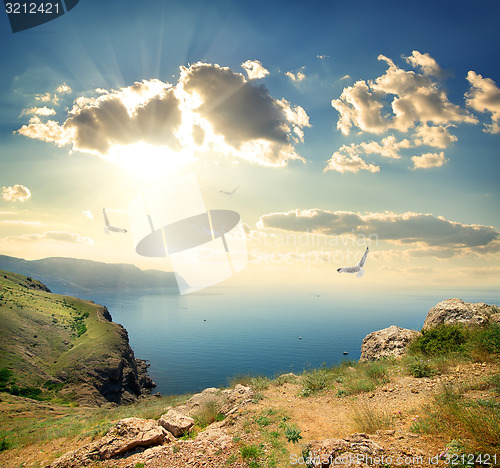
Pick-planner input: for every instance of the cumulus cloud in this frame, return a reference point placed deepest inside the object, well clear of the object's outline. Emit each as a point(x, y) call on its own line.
point(211, 108)
point(296, 77)
point(408, 228)
point(429, 160)
point(484, 96)
point(407, 101)
point(254, 69)
point(49, 131)
point(425, 62)
point(63, 89)
point(38, 111)
point(58, 236)
point(16, 193)
point(347, 159)
point(396, 100)
point(437, 136)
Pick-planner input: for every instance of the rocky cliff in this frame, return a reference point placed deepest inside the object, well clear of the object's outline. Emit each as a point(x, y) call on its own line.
point(64, 345)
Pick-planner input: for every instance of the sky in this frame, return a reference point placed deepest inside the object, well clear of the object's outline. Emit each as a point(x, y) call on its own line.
point(341, 125)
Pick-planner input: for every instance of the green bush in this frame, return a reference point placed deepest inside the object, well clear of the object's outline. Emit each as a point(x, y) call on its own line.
point(489, 338)
point(441, 340)
point(5, 375)
point(419, 369)
point(315, 380)
point(250, 452)
point(292, 433)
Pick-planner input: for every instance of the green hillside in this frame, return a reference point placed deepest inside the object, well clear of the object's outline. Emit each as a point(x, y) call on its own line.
point(62, 347)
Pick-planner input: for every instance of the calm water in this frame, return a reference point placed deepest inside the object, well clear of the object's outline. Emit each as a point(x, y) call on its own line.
point(202, 340)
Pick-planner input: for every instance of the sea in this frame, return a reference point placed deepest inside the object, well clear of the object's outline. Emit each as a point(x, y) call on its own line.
point(207, 338)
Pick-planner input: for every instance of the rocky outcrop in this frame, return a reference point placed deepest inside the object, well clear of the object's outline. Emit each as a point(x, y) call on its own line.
point(176, 423)
point(353, 450)
point(149, 435)
point(389, 342)
point(126, 435)
point(453, 311)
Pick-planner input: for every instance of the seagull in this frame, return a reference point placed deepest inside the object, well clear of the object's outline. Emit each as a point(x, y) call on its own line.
point(356, 269)
point(108, 227)
point(229, 194)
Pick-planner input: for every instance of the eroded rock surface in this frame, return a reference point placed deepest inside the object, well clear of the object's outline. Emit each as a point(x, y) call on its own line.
point(389, 342)
point(453, 311)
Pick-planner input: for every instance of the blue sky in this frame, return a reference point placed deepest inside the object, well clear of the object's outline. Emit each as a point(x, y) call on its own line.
point(362, 118)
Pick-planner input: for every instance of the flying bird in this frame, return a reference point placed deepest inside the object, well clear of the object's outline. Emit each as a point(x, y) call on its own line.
point(356, 269)
point(230, 194)
point(109, 228)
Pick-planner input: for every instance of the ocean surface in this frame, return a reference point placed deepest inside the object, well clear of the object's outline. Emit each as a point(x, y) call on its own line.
point(203, 340)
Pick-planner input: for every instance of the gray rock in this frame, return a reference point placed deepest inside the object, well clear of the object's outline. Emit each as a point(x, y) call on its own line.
point(389, 342)
point(126, 435)
point(338, 452)
point(176, 423)
point(453, 311)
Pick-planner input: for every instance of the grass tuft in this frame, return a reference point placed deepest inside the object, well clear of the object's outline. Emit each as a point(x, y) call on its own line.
point(368, 419)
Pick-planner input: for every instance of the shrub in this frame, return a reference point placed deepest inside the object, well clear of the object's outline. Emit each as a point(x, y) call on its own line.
point(260, 383)
point(250, 452)
point(315, 380)
point(420, 368)
point(292, 433)
point(489, 338)
point(5, 375)
point(441, 340)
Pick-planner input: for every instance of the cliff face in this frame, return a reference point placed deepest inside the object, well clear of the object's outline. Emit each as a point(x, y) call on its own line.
point(68, 344)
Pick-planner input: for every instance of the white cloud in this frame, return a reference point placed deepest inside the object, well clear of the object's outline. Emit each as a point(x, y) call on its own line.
point(63, 89)
point(484, 96)
point(389, 147)
point(429, 160)
point(408, 228)
point(296, 77)
point(38, 111)
point(49, 131)
point(211, 109)
point(322, 57)
point(397, 100)
point(16, 193)
point(58, 236)
point(346, 159)
point(427, 64)
point(254, 69)
point(88, 214)
point(345, 77)
point(437, 136)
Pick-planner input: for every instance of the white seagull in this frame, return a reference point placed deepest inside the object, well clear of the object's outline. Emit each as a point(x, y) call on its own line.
point(229, 194)
point(356, 269)
point(108, 227)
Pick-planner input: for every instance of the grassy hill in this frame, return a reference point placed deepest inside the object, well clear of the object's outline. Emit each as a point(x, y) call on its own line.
point(60, 347)
point(76, 277)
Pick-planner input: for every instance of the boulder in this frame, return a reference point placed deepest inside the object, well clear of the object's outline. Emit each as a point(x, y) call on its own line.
point(453, 311)
point(126, 435)
point(389, 342)
point(176, 423)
